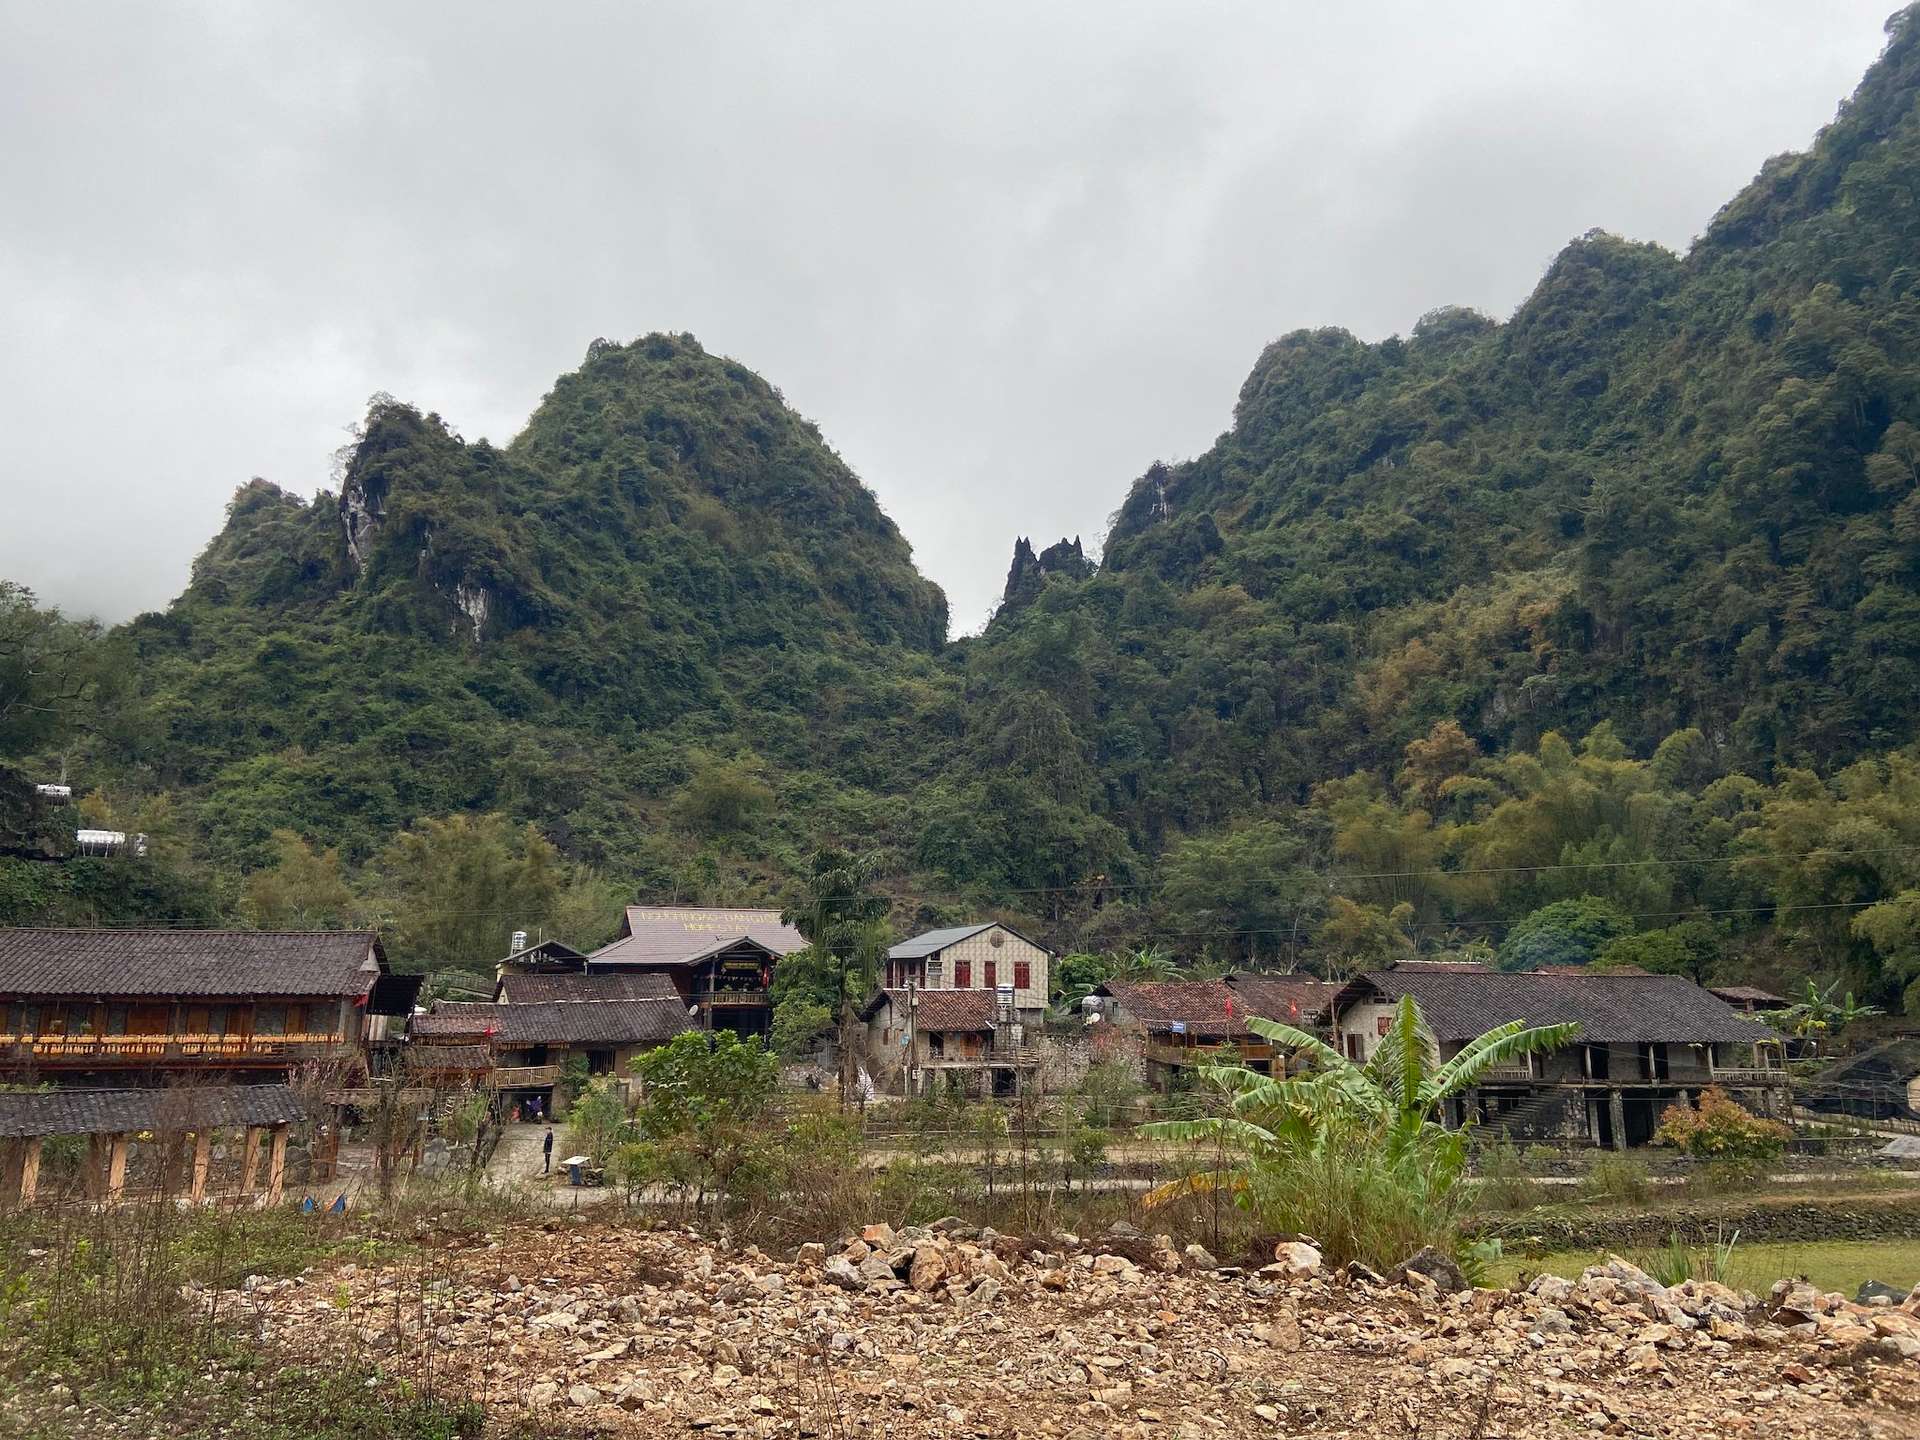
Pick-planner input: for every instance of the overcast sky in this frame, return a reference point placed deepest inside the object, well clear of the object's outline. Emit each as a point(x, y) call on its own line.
point(1004, 255)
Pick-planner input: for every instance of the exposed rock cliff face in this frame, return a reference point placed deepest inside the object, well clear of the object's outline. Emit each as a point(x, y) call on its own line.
point(1029, 571)
point(360, 516)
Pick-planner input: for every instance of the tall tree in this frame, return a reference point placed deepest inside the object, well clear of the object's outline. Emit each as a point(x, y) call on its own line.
point(843, 918)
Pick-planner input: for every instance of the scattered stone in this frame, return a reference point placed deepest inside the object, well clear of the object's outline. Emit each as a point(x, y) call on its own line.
point(1297, 1258)
point(1437, 1267)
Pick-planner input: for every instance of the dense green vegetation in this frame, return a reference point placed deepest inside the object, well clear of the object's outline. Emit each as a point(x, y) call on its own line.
point(1613, 607)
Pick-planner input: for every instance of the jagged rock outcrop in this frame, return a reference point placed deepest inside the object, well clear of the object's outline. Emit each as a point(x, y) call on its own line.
point(1030, 571)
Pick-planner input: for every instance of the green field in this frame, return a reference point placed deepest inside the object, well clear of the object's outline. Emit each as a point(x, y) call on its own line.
point(1829, 1264)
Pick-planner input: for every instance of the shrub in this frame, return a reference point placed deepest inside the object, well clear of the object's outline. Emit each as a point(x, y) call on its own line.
point(1720, 1129)
point(597, 1120)
point(1506, 1177)
point(1618, 1177)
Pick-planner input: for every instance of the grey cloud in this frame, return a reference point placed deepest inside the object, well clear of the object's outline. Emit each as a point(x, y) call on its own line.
point(1005, 255)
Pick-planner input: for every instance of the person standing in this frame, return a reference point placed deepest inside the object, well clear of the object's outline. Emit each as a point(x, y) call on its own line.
point(546, 1153)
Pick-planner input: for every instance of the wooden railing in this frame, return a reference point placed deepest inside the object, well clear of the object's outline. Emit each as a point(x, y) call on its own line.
point(1165, 1054)
point(720, 999)
point(158, 1049)
point(1748, 1075)
point(515, 1077)
point(1521, 1071)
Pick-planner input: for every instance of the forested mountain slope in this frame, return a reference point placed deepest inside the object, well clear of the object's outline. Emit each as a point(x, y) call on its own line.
point(668, 572)
point(1668, 491)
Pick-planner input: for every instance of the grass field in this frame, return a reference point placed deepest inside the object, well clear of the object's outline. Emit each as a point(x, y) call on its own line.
point(1829, 1264)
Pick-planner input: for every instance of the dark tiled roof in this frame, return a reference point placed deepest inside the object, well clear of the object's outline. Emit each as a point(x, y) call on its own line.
point(1610, 1009)
point(560, 1022)
point(1297, 1000)
point(599, 985)
point(1204, 1007)
point(124, 1112)
point(938, 1009)
point(678, 935)
point(1749, 995)
point(187, 962)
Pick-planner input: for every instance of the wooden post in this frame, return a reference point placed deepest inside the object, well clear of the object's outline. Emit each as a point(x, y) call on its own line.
point(250, 1162)
point(277, 1165)
point(96, 1167)
point(202, 1156)
point(116, 1168)
point(29, 1169)
point(1617, 1114)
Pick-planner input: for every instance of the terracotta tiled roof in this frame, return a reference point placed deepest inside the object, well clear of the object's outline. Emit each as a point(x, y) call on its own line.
point(1202, 1007)
point(1610, 1009)
point(938, 1009)
point(599, 985)
point(679, 935)
point(187, 962)
point(1298, 1000)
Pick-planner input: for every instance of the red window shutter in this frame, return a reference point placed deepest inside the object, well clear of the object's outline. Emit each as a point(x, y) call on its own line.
point(992, 974)
point(962, 974)
point(1023, 974)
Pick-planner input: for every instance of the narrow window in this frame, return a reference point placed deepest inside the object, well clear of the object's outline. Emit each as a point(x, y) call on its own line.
point(1023, 974)
point(963, 974)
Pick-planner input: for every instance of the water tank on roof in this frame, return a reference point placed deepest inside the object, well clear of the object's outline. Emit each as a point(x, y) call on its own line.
point(519, 942)
point(61, 793)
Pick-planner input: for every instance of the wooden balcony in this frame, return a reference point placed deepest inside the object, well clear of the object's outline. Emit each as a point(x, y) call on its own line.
point(1012, 1058)
point(1161, 1053)
point(1509, 1074)
point(523, 1077)
point(138, 1050)
point(726, 999)
point(1746, 1075)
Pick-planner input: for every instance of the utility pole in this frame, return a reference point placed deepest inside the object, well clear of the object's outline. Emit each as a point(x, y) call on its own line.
point(913, 1039)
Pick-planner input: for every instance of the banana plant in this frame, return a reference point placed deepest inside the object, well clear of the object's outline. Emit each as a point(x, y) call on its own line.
point(1391, 1104)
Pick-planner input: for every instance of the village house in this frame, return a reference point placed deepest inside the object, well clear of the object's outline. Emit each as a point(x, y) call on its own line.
point(1184, 1023)
point(1645, 1042)
point(921, 1040)
point(520, 1049)
point(146, 1007)
point(988, 957)
point(1748, 999)
point(719, 961)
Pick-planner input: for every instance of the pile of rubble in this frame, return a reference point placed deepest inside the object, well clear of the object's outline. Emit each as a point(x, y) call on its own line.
point(950, 1331)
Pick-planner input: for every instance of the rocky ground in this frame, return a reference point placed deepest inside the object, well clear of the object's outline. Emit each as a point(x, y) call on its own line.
point(596, 1329)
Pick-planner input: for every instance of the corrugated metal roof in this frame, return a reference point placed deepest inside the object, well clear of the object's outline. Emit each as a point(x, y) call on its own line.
point(187, 962)
point(125, 1112)
point(1610, 1009)
point(934, 941)
point(677, 935)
